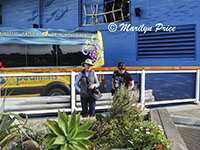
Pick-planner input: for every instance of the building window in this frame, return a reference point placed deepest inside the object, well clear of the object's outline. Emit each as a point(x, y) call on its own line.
point(0, 14)
point(105, 12)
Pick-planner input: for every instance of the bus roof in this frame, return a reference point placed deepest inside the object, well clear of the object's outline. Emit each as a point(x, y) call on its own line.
point(43, 36)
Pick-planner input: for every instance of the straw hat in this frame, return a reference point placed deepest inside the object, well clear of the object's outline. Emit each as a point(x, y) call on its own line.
point(87, 61)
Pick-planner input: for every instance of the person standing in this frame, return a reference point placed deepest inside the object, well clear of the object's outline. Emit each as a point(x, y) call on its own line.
point(121, 77)
point(85, 84)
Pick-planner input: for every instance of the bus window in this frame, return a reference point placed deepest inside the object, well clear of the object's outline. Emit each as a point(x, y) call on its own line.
point(13, 55)
point(70, 55)
point(40, 55)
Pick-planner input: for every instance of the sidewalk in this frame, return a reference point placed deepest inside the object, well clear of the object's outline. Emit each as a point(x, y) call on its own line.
point(187, 120)
point(187, 114)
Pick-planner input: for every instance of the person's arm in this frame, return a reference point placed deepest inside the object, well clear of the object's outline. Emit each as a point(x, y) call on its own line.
point(96, 81)
point(131, 82)
point(77, 82)
point(131, 85)
point(113, 84)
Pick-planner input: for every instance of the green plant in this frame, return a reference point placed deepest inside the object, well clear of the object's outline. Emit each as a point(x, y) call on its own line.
point(114, 129)
point(148, 135)
point(119, 128)
point(124, 106)
point(12, 127)
point(9, 129)
point(37, 130)
point(68, 133)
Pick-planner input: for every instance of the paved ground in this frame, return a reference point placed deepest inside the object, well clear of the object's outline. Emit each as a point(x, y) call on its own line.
point(187, 120)
point(190, 135)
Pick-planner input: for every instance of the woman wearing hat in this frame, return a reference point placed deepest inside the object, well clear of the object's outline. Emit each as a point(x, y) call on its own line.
point(86, 82)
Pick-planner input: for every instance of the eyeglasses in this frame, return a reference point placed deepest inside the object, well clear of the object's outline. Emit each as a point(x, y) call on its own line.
point(121, 69)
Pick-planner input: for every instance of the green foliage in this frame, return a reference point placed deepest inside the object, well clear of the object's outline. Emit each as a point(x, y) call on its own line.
point(68, 133)
point(124, 106)
point(37, 130)
point(9, 129)
point(148, 135)
point(12, 127)
point(119, 128)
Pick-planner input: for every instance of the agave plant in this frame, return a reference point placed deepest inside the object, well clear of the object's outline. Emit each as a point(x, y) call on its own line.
point(11, 125)
point(9, 129)
point(68, 133)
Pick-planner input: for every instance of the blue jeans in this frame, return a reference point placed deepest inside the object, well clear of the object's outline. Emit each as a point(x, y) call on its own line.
point(84, 104)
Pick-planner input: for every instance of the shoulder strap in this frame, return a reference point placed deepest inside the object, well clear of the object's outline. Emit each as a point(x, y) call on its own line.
point(83, 72)
point(84, 75)
point(115, 73)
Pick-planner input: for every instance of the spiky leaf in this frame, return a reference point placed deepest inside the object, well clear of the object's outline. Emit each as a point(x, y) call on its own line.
point(86, 142)
point(60, 140)
point(85, 126)
point(81, 146)
point(62, 123)
point(53, 126)
point(84, 134)
point(64, 147)
point(49, 137)
point(72, 121)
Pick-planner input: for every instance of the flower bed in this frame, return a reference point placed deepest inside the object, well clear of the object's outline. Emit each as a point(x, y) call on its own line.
point(123, 127)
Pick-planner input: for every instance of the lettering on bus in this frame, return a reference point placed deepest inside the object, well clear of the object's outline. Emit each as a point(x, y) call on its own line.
point(17, 80)
point(36, 78)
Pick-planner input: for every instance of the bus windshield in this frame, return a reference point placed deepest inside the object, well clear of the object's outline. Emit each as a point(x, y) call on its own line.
point(49, 48)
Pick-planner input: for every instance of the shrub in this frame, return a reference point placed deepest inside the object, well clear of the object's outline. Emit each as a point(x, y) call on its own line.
point(122, 127)
point(37, 130)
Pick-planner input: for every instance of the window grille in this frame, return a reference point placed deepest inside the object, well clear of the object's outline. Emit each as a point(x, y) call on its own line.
point(113, 11)
point(167, 45)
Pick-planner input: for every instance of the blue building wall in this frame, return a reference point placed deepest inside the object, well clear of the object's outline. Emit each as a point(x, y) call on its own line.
point(46, 13)
point(119, 45)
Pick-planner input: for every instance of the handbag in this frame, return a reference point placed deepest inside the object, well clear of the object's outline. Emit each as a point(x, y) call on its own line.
point(96, 94)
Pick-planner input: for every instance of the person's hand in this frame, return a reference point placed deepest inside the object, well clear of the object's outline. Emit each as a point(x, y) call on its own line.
point(113, 92)
point(91, 86)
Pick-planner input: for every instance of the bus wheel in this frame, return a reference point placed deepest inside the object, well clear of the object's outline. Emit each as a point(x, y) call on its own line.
point(56, 92)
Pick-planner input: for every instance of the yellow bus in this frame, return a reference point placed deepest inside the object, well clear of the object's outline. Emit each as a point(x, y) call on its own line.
point(44, 50)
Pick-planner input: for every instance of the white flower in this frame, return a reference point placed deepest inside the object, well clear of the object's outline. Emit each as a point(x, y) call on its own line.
point(141, 127)
point(136, 130)
point(147, 132)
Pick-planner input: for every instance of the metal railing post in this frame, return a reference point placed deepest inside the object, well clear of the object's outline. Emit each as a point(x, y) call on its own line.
point(197, 86)
point(143, 89)
point(73, 92)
